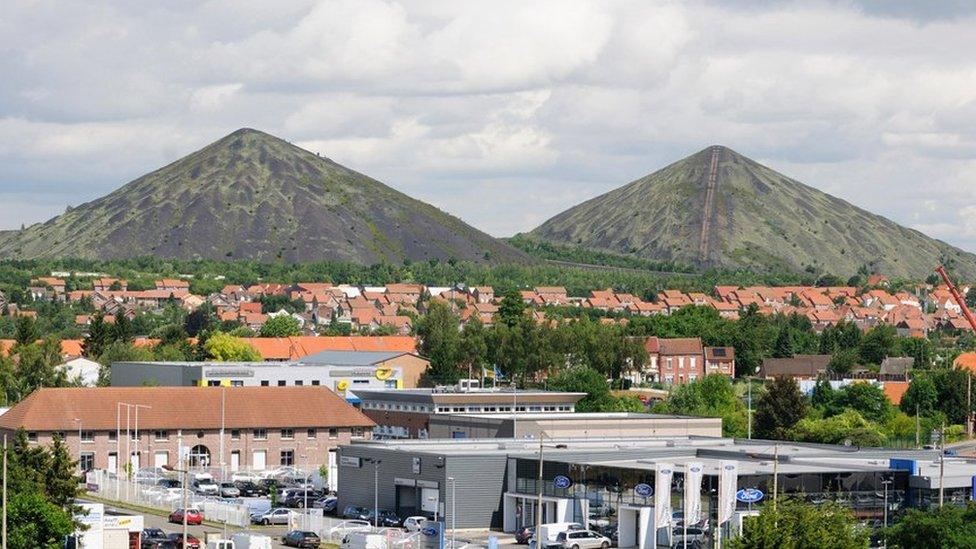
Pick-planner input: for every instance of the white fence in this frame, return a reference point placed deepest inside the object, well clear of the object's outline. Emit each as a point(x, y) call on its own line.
point(106, 486)
point(333, 530)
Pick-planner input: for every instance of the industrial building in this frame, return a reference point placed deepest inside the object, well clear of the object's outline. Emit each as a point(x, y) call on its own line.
point(579, 425)
point(342, 371)
point(605, 482)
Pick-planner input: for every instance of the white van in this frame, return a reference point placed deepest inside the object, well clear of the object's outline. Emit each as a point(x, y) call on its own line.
point(553, 529)
point(363, 540)
point(251, 541)
point(221, 544)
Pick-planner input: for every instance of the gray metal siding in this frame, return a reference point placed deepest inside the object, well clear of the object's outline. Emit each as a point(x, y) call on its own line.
point(356, 484)
point(135, 374)
point(480, 490)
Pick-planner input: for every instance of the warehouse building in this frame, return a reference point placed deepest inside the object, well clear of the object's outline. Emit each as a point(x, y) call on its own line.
point(580, 425)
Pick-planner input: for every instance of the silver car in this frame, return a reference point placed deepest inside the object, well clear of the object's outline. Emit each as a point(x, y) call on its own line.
point(582, 539)
point(272, 516)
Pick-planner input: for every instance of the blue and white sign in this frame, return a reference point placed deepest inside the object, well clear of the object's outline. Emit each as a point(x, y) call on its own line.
point(562, 482)
point(749, 495)
point(644, 490)
point(430, 531)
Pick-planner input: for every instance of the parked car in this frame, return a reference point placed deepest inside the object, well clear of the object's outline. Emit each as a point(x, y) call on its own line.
point(169, 483)
point(356, 513)
point(152, 537)
point(582, 539)
point(205, 487)
point(386, 519)
point(191, 541)
point(272, 516)
point(193, 516)
point(229, 490)
point(297, 499)
point(299, 538)
point(150, 475)
point(348, 526)
point(524, 534)
point(244, 476)
point(250, 489)
point(414, 524)
point(327, 504)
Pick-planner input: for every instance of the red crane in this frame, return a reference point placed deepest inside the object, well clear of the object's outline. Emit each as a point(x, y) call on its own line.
point(957, 297)
point(972, 323)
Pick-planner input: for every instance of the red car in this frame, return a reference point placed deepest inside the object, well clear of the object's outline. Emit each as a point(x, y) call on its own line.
point(191, 542)
point(193, 516)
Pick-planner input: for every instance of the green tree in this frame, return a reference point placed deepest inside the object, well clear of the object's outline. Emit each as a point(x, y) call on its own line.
point(867, 399)
point(795, 524)
point(779, 408)
point(61, 483)
point(823, 394)
point(921, 397)
point(784, 343)
point(710, 396)
point(200, 320)
point(843, 361)
point(281, 326)
point(512, 308)
point(845, 427)
point(38, 366)
point(473, 346)
point(26, 330)
point(936, 528)
point(440, 340)
point(583, 379)
point(122, 330)
point(36, 523)
point(877, 344)
point(98, 337)
point(227, 348)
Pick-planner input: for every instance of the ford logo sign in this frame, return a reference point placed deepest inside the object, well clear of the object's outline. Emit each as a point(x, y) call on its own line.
point(429, 531)
point(562, 482)
point(749, 495)
point(644, 490)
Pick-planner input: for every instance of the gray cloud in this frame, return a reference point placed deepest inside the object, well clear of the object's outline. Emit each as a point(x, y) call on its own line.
point(501, 113)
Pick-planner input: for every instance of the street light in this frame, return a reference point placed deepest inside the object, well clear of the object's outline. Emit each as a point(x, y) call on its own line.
point(538, 517)
point(749, 385)
point(185, 478)
point(885, 483)
point(453, 483)
point(376, 489)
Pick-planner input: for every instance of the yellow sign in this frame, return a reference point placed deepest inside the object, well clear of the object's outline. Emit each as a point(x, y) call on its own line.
point(383, 373)
point(342, 385)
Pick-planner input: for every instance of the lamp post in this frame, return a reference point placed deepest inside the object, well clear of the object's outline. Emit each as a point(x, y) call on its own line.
point(376, 489)
point(453, 483)
point(749, 390)
point(184, 471)
point(885, 483)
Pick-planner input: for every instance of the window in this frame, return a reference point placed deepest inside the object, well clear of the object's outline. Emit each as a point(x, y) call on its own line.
point(32, 436)
point(357, 432)
point(60, 434)
point(315, 382)
point(235, 434)
point(88, 436)
point(160, 435)
point(333, 432)
point(113, 435)
point(236, 383)
point(87, 461)
point(287, 457)
point(299, 383)
point(287, 434)
point(265, 383)
point(281, 383)
point(213, 383)
point(310, 433)
point(260, 434)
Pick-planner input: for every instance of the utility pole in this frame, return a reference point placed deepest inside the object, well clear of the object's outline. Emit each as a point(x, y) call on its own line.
point(969, 404)
point(4, 491)
point(775, 475)
point(942, 467)
point(749, 413)
point(918, 427)
point(538, 518)
point(885, 482)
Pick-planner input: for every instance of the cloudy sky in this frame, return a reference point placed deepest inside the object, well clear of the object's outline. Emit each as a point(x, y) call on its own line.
point(503, 112)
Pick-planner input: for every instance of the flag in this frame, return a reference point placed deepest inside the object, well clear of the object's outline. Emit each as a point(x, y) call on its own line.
point(662, 494)
point(497, 373)
point(693, 481)
point(728, 477)
point(487, 374)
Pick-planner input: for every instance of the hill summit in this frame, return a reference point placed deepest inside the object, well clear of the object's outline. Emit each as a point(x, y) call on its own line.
point(254, 196)
point(717, 208)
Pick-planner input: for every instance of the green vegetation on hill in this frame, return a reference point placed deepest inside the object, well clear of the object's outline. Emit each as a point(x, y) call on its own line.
point(579, 254)
point(756, 219)
point(253, 196)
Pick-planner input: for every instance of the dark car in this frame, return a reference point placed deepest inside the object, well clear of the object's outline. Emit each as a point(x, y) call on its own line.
point(523, 534)
point(298, 538)
point(250, 490)
point(152, 537)
point(356, 513)
point(168, 483)
point(297, 500)
point(327, 504)
point(191, 541)
point(387, 519)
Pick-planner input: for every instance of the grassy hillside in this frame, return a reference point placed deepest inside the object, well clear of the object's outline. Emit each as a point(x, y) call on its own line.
point(254, 196)
point(753, 218)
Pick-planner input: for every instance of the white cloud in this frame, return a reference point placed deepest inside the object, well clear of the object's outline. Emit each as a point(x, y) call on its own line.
point(506, 112)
